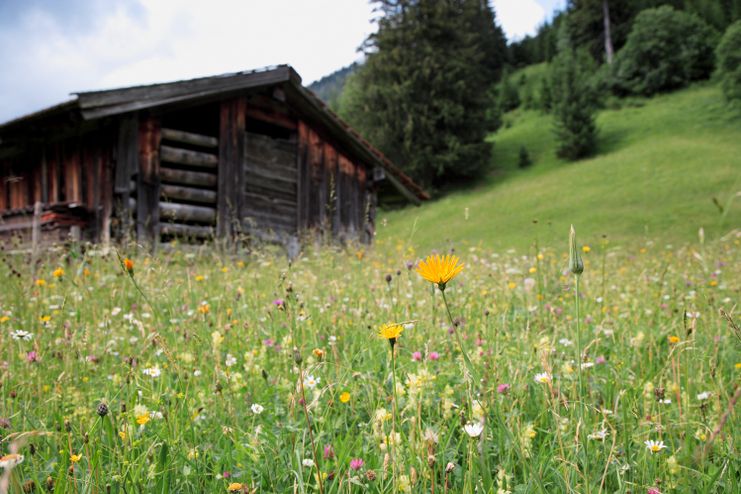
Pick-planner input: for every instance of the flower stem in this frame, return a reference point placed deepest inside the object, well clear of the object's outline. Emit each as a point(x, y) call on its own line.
point(311, 434)
point(392, 441)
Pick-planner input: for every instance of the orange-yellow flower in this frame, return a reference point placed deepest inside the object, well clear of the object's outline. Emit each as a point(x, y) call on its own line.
point(234, 487)
point(128, 265)
point(345, 397)
point(58, 273)
point(440, 270)
point(75, 458)
point(674, 339)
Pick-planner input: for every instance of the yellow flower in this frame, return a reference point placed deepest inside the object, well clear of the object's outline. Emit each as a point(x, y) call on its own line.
point(345, 397)
point(40, 282)
point(440, 270)
point(143, 419)
point(674, 339)
point(203, 308)
point(390, 331)
point(58, 273)
point(75, 458)
point(122, 435)
point(738, 365)
point(318, 353)
point(200, 277)
point(234, 487)
point(4, 319)
point(586, 249)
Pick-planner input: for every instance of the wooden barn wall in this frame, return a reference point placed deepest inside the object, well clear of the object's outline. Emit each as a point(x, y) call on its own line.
point(334, 192)
point(70, 178)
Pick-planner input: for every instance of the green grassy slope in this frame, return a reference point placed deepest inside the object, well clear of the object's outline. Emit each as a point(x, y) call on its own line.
point(659, 165)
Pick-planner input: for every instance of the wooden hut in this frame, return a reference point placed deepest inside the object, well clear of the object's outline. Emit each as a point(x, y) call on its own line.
point(250, 153)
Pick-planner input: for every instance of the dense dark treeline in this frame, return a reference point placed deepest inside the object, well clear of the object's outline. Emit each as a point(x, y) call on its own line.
point(585, 25)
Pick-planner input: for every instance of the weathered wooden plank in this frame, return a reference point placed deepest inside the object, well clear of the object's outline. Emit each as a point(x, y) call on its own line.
point(255, 197)
point(181, 230)
point(184, 177)
point(187, 157)
point(272, 189)
point(127, 153)
point(274, 118)
point(256, 172)
point(54, 175)
point(232, 124)
point(148, 181)
point(72, 179)
point(192, 194)
point(172, 211)
point(267, 220)
point(106, 196)
point(189, 138)
point(262, 203)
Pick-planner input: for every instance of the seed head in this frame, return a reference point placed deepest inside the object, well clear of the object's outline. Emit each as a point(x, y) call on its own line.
point(576, 265)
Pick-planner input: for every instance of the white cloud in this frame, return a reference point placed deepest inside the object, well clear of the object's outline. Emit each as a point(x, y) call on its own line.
point(519, 18)
point(44, 59)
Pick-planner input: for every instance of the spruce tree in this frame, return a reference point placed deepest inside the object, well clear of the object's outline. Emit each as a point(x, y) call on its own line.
point(573, 103)
point(422, 94)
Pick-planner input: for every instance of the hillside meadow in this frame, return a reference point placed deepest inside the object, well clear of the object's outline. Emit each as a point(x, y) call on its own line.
point(664, 168)
point(199, 371)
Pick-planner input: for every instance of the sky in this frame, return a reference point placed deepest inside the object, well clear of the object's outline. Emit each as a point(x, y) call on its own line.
point(52, 48)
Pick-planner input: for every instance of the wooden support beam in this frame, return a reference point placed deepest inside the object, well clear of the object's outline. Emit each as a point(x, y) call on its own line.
point(275, 118)
point(189, 138)
point(232, 126)
point(172, 211)
point(186, 157)
point(175, 176)
point(190, 194)
point(148, 181)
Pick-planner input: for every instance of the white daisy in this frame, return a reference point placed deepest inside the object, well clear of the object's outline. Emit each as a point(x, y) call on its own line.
point(20, 334)
point(152, 372)
point(543, 378)
point(704, 395)
point(311, 381)
point(257, 408)
point(654, 446)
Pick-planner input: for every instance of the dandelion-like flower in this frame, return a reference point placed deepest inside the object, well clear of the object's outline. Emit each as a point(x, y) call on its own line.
point(75, 458)
point(440, 270)
point(234, 487)
point(344, 397)
point(543, 378)
point(390, 331)
point(474, 429)
point(654, 446)
point(128, 265)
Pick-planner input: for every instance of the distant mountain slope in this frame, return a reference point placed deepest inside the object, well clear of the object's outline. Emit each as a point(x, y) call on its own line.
point(329, 88)
point(665, 167)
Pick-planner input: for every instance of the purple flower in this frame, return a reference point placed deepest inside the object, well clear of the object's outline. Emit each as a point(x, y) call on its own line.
point(227, 474)
point(32, 357)
point(433, 356)
point(268, 342)
point(600, 360)
point(279, 303)
point(356, 464)
point(328, 452)
point(417, 356)
point(503, 388)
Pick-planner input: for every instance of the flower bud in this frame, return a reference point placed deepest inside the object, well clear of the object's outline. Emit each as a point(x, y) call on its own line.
point(576, 265)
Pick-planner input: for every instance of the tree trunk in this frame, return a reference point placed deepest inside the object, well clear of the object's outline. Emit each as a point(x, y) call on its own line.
point(608, 37)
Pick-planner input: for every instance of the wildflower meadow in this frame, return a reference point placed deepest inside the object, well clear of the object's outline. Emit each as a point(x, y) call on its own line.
point(567, 368)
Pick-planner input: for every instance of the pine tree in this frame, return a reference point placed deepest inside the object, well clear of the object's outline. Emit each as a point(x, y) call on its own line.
point(423, 93)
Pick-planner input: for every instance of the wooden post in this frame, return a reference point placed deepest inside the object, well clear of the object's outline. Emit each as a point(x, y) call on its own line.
point(230, 181)
point(35, 235)
point(148, 182)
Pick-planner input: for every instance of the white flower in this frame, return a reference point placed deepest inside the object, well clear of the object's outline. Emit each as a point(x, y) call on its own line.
point(704, 395)
point(152, 371)
point(115, 311)
point(311, 381)
point(197, 373)
point(543, 378)
point(20, 334)
point(565, 342)
point(587, 365)
point(693, 315)
point(257, 408)
point(474, 429)
point(665, 401)
point(230, 360)
point(654, 446)
point(308, 462)
point(600, 435)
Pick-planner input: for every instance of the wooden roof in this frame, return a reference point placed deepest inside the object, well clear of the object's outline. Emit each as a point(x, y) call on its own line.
point(91, 105)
